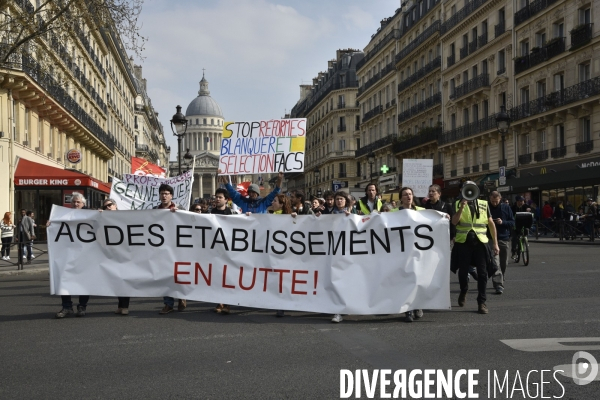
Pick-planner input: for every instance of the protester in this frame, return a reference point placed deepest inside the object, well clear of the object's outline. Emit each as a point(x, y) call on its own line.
point(470, 219)
point(254, 203)
point(394, 204)
point(165, 193)
point(8, 230)
point(407, 203)
point(435, 203)
point(329, 200)
point(203, 206)
point(505, 223)
point(78, 203)
point(26, 234)
point(282, 205)
point(196, 208)
point(387, 207)
point(318, 205)
point(352, 206)
point(341, 202)
point(220, 208)
point(370, 202)
point(299, 206)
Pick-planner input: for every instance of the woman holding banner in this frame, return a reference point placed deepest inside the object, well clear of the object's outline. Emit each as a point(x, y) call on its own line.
point(282, 205)
point(407, 203)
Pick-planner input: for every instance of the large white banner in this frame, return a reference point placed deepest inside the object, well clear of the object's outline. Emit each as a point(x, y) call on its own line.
point(417, 174)
point(377, 264)
point(140, 192)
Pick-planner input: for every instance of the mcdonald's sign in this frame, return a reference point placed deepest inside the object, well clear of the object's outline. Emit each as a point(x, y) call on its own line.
point(543, 170)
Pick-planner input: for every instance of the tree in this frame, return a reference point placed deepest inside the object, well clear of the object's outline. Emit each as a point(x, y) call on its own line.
point(22, 24)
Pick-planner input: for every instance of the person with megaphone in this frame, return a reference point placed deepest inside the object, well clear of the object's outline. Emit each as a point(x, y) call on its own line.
point(472, 219)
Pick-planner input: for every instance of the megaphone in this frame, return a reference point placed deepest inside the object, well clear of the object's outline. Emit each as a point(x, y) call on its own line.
point(470, 191)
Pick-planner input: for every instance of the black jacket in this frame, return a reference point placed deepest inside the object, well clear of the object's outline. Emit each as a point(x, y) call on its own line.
point(445, 208)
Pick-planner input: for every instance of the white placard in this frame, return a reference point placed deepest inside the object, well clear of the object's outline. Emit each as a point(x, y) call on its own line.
point(376, 264)
point(418, 175)
point(140, 192)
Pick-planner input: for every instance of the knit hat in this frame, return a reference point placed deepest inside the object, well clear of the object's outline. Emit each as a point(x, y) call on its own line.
point(254, 188)
point(520, 198)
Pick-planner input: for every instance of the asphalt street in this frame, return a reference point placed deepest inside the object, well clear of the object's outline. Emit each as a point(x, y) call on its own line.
point(250, 354)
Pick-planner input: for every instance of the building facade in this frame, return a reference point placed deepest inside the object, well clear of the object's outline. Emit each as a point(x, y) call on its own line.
point(331, 109)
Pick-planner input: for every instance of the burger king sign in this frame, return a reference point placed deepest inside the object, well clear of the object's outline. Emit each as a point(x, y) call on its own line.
point(74, 156)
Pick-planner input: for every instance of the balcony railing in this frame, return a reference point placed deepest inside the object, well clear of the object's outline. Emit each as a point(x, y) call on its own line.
point(341, 105)
point(464, 52)
point(580, 36)
point(438, 170)
point(553, 100)
point(451, 59)
point(584, 147)
point(525, 158)
point(540, 155)
point(500, 28)
point(554, 47)
point(425, 136)
point(532, 9)
point(485, 166)
point(482, 40)
point(466, 170)
point(420, 73)
point(468, 130)
point(453, 173)
point(475, 168)
point(341, 128)
point(341, 174)
point(420, 107)
point(461, 15)
point(356, 127)
point(374, 112)
point(419, 40)
point(501, 71)
point(394, 34)
point(141, 147)
point(384, 141)
point(377, 77)
point(558, 152)
point(480, 81)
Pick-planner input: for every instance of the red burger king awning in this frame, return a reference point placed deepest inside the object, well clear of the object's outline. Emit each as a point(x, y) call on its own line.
point(30, 173)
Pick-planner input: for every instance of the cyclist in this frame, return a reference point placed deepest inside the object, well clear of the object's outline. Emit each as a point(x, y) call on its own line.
point(519, 206)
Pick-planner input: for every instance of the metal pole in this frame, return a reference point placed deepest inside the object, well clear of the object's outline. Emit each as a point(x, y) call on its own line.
point(179, 152)
point(503, 151)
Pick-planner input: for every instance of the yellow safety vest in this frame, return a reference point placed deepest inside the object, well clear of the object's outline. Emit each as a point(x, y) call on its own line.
point(365, 208)
point(468, 223)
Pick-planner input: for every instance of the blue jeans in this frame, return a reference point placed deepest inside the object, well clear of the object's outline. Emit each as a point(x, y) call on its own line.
point(169, 301)
point(25, 244)
point(68, 303)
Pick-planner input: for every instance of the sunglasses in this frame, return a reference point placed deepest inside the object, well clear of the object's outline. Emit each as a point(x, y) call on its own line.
point(107, 205)
point(197, 209)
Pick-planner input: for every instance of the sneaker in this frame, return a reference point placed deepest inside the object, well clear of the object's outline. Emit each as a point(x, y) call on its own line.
point(462, 298)
point(24, 257)
point(181, 305)
point(279, 314)
point(80, 311)
point(418, 314)
point(166, 309)
point(225, 309)
point(8, 258)
point(408, 316)
point(499, 290)
point(65, 312)
point(4, 258)
point(482, 309)
point(122, 311)
point(218, 308)
point(32, 256)
point(337, 318)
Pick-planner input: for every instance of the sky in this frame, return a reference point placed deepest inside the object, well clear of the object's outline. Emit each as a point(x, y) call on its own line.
point(256, 53)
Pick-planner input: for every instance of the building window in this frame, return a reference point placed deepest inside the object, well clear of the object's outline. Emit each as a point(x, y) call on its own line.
point(204, 121)
point(540, 39)
point(585, 16)
point(586, 129)
point(486, 154)
point(560, 135)
point(541, 88)
point(584, 72)
point(524, 48)
point(526, 149)
point(501, 61)
point(542, 141)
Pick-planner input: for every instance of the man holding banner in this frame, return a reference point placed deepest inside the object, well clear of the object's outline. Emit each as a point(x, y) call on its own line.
point(254, 203)
point(166, 196)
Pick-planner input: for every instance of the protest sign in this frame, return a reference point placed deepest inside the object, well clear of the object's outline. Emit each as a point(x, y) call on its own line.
point(140, 192)
point(376, 264)
point(418, 175)
point(263, 146)
point(140, 166)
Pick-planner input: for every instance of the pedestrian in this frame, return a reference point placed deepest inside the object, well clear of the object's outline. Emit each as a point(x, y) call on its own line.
point(519, 206)
point(299, 205)
point(165, 193)
point(8, 230)
point(78, 203)
point(470, 219)
point(546, 217)
point(220, 208)
point(505, 223)
point(370, 202)
point(254, 203)
point(27, 234)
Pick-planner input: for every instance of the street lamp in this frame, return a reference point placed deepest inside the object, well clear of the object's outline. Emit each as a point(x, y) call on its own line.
point(179, 127)
point(371, 161)
point(503, 123)
point(187, 157)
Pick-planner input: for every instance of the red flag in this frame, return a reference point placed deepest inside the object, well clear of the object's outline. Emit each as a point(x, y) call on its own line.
point(139, 166)
point(242, 188)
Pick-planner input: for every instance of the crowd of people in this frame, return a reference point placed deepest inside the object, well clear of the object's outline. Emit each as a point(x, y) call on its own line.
point(480, 230)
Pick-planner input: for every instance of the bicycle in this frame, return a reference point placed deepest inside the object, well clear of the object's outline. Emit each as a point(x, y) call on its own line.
point(523, 249)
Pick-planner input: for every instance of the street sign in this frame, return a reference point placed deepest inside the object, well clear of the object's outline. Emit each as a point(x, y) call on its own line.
point(504, 189)
point(502, 172)
point(502, 180)
point(336, 186)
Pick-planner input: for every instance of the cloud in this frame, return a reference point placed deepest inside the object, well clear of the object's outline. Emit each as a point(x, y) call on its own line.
point(356, 17)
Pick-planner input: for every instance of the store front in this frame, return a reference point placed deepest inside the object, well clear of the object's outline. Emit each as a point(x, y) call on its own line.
point(38, 187)
point(572, 182)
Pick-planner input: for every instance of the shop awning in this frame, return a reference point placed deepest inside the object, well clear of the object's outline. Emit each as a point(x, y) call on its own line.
point(30, 173)
point(555, 180)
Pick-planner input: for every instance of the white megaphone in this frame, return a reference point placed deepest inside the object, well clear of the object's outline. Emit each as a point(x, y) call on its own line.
point(470, 191)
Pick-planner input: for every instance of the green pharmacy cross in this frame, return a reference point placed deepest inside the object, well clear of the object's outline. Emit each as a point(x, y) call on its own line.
point(384, 169)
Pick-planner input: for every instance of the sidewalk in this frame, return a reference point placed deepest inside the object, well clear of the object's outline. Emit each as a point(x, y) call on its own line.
point(579, 241)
